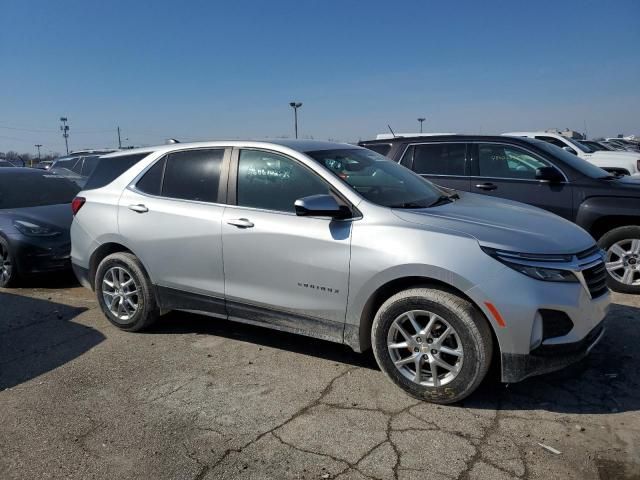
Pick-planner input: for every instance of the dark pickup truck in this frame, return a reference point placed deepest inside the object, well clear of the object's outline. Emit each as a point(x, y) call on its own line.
point(540, 174)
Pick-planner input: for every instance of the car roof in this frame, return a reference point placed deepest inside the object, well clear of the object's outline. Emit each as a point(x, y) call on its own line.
point(297, 145)
point(454, 138)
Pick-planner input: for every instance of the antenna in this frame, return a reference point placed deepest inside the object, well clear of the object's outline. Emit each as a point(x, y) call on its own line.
point(391, 130)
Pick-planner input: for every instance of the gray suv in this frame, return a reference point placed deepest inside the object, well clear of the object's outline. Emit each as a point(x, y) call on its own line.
point(337, 242)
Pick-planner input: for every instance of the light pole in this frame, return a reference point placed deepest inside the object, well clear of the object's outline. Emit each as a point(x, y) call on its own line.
point(421, 119)
point(37, 145)
point(295, 106)
point(65, 132)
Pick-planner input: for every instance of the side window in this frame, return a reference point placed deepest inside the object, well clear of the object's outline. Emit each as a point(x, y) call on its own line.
point(274, 182)
point(440, 159)
point(151, 181)
point(70, 164)
point(108, 169)
point(89, 165)
point(77, 166)
point(505, 161)
point(407, 157)
point(552, 141)
point(381, 148)
point(193, 175)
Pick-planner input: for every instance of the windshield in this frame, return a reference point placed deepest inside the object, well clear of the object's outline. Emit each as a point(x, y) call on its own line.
point(579, 164)
point(378, 179)
point(579, 145)
point(22, 190)
point(594, 146)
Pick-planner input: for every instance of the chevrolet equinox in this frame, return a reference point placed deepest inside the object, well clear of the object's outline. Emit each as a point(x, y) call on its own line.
point(337, 242)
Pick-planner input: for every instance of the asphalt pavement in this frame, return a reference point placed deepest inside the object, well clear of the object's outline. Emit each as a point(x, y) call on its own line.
point(200, 398)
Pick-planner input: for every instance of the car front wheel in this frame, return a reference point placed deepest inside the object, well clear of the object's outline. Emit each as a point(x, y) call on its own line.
point(8, 268)
point(622, 247)
point(125, 293)
point(434, 344)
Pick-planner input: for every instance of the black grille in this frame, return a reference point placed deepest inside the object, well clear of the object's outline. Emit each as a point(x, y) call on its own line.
point(555, 323)
point(596, 278)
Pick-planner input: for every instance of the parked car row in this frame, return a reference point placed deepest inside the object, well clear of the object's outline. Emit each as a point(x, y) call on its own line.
point(78, 166)
point(422, 257)
point(537, 172)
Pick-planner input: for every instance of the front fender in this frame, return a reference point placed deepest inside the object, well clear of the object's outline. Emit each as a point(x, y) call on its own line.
point(595, 208)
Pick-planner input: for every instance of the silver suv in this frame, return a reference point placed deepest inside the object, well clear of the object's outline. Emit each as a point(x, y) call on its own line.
point(337, 242)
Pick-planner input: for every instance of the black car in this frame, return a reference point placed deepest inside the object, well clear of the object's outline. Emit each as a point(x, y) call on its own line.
point(35, 217)
point(6, 163)
point(540, 174)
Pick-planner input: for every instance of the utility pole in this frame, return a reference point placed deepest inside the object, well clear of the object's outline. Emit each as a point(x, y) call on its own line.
point(421, 119)
point(119, 141)
point(65, 132)
point(295, 106)
point(37, 145)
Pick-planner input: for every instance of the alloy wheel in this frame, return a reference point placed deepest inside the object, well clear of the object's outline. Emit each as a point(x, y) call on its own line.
point(120, 293)
point(6, 267)
point(425, 348)
point(623, 261)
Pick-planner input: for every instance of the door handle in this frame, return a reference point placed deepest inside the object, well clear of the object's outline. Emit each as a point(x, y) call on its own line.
point(486, 186)
point(139, 208)
point(240, 223)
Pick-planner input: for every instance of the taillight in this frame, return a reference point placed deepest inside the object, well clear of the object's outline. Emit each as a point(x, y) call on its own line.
point(77, 204)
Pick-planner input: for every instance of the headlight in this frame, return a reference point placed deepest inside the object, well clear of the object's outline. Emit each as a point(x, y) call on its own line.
point(543, 273)
point(527, 264)
point(34, 230)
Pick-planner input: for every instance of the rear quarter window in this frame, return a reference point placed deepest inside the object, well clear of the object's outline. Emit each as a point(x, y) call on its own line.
point(108, 169)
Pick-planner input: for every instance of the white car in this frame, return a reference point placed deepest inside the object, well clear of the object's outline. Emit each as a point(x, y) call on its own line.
point(626, 163)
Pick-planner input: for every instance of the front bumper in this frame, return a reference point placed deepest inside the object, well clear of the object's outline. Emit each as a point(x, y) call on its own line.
point(519, 299)
point(548, 358)
point(41, 255)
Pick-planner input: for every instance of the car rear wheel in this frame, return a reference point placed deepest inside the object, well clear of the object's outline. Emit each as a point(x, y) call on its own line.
point(622, 247)
point(433, 344)
point(8, 268)
point(125, 292)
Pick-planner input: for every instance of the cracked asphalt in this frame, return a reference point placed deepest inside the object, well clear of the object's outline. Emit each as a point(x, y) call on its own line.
point(199, 398)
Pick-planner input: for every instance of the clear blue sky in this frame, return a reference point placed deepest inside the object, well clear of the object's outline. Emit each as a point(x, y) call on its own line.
point(207, 70)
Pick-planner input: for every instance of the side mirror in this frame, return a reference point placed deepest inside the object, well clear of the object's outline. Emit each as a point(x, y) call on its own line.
point(321, 206)
point(569, 149)
point(549, 174)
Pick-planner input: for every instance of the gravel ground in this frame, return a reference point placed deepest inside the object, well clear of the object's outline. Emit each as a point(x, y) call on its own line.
point(197, 398)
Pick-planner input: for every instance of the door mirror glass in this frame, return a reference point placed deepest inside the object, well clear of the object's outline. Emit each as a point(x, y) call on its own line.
point(569, 149)
point(321, 206)
point(549, 174)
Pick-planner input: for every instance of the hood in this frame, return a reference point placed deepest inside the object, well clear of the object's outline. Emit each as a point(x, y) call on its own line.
point(602, 155)
point(504, 225)
point(58, 216)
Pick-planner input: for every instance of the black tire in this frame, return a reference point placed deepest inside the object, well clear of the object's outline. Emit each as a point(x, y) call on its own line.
point(607, 241)
point(9, 276)
point(473, 331)
point(147, 311)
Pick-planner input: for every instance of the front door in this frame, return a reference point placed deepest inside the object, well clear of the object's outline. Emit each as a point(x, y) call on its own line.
point(282, 269)
point(508, 171)
point(443, 163)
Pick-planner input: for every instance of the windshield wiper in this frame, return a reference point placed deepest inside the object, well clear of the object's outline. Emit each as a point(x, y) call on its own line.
point(442, 199)
point(408, 205)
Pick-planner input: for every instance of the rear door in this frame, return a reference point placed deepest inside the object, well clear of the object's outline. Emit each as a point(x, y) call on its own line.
point(172, 219)
point(509, 171)
point(445, 164)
